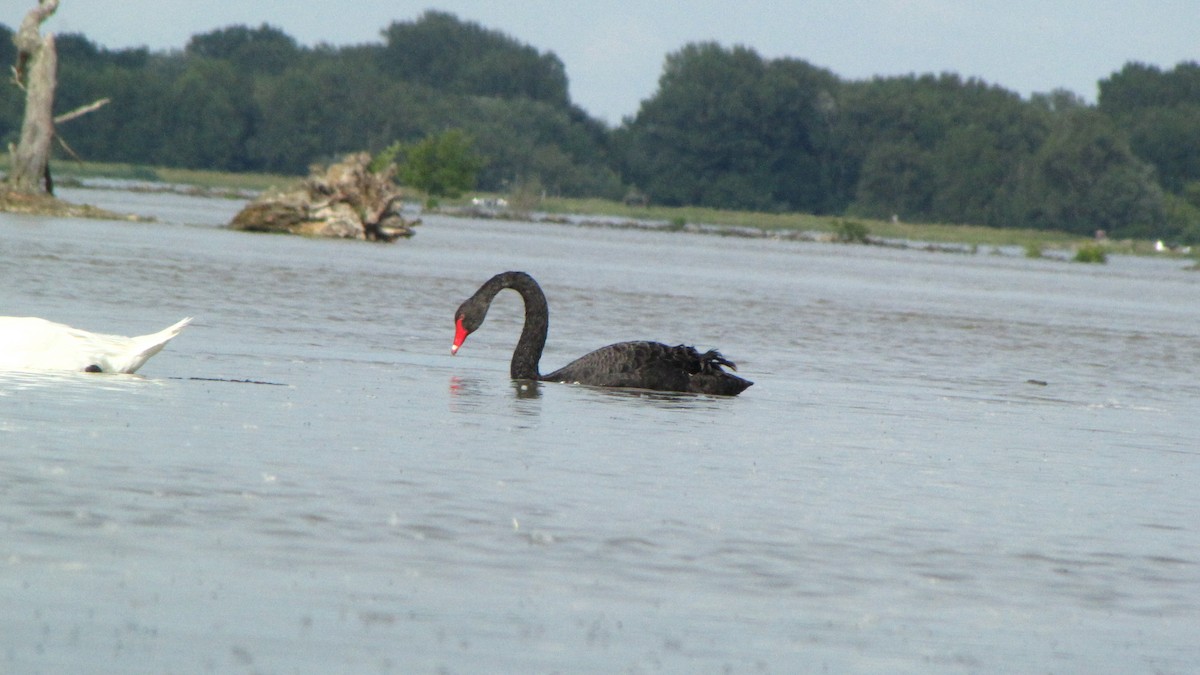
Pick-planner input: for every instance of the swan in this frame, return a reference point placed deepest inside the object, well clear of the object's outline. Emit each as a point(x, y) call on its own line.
point(30, 343)
point(641, 365)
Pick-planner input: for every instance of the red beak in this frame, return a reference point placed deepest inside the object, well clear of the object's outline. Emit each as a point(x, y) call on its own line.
point(460, 334)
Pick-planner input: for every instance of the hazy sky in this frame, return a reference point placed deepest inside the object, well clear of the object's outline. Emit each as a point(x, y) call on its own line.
point(614, 49)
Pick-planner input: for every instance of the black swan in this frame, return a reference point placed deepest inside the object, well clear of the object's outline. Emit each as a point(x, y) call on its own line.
point(641, 365)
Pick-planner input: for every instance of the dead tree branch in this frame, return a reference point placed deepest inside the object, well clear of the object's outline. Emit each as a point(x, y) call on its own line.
point(81, 111)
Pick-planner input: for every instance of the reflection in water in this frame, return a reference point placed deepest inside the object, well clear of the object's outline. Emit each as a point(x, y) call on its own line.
point(474, 386)
point(465, 394)
point(462, 387)
point(69, 383)
point(527, 388)
point(472, 396)
point(666, 400)
point(528, 402)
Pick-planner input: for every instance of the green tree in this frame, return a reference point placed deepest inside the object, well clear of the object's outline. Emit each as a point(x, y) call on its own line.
point(895, 182)
point(936, 148)
point(328, 105)
point(137, 83)
point(441, 165)
point(1086, 178)
point(531, 141)
point(1138, 86)
point(1160, 112)
point(212, 116)
point(441, 51)
point(264, 49)
point(12, 99)
point(1169, 139)
point(131, 127)
point(727, 128)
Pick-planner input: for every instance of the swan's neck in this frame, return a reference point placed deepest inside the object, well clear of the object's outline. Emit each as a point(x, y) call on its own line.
point(537, 322)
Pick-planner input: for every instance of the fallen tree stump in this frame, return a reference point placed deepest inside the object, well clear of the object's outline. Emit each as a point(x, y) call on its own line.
point(346, 200)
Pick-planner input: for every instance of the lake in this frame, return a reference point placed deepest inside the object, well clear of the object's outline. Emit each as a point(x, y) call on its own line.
point(948, 463)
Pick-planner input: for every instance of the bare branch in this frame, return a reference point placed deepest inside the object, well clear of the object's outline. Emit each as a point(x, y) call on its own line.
point(81, 111)
point(66, 148)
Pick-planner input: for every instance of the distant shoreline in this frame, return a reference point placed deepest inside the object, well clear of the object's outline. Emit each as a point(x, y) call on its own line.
point(597, 212)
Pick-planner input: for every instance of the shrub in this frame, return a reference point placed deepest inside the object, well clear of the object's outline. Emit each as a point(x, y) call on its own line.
point(1091, 253)
point(851, 231)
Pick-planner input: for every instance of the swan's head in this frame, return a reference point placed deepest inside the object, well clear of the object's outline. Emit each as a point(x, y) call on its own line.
point(467, 319)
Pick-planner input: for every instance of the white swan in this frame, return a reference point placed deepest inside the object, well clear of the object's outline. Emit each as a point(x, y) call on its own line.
point(30, 343)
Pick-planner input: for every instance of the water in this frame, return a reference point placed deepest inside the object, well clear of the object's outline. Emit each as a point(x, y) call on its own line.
point(892, 495)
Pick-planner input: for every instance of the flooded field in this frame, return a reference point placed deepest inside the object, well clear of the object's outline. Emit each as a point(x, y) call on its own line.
point(948, 463)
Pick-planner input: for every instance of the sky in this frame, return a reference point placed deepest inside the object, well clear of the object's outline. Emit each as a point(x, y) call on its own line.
point(613, 50)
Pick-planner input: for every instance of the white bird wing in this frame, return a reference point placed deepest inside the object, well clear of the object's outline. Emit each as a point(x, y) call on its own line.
point(30, 343)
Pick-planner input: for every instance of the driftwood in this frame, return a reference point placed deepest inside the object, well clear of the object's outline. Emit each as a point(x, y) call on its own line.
point(346, 200)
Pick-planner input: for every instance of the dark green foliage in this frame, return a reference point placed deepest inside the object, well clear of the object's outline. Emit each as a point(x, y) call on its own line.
point(441, 165)
point(258, 50)
point(937, 148)
point(319, 111)
point(251, 99)
point(1183, 214)
point(730, 130)
point(441, 51)
point(8, 50)
point(134, 126)
point(12, 100)
point(525, 140)
point(1085, 178)
point(1160, 112)
point(895, 180)
point(213, 116)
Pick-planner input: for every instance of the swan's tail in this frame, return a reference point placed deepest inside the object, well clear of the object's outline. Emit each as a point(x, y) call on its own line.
point(712, 378)
point(146, 346)
point(712, 360)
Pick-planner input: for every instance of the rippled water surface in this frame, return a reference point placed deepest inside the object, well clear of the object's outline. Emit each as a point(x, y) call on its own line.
point(948, 463)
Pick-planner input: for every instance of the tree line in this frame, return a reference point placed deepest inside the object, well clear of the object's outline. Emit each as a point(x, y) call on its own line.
point(726, 127)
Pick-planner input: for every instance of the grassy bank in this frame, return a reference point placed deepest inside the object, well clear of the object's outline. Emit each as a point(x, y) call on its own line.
point(970, 235)
point(65, 171)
